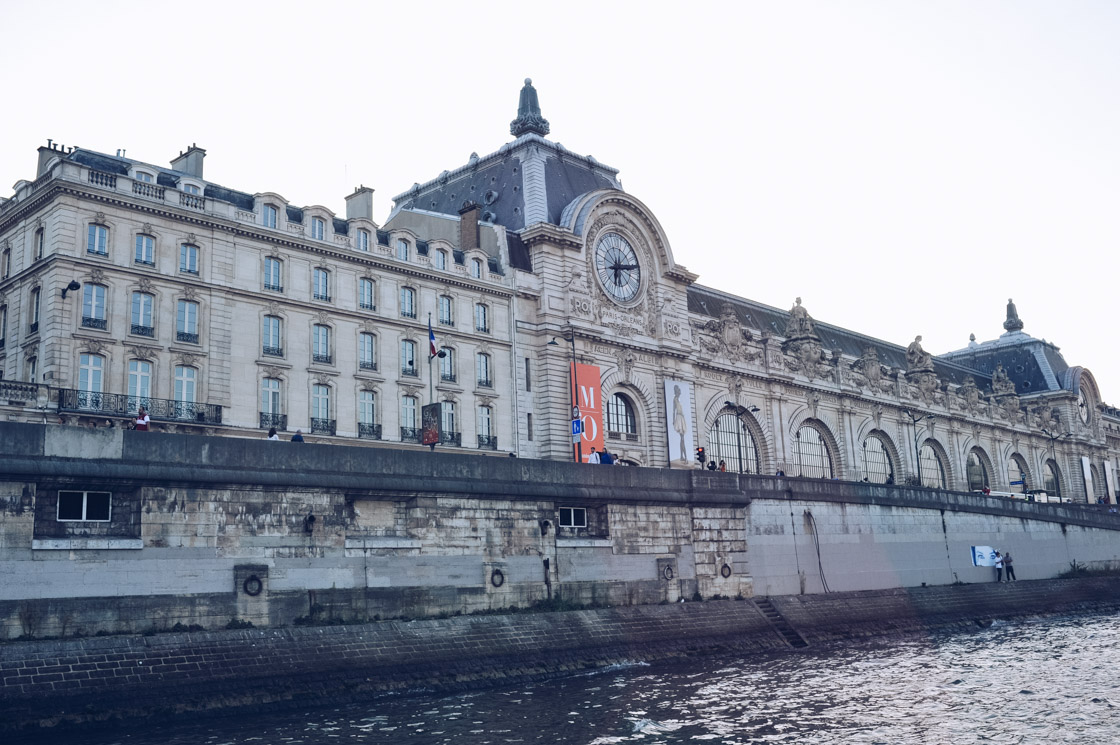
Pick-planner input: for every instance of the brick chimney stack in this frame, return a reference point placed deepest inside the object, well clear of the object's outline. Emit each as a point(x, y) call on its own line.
point(468, 226)
point(190, 162)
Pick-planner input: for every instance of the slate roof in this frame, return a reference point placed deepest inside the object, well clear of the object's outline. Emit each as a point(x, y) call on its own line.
point(1032, 364)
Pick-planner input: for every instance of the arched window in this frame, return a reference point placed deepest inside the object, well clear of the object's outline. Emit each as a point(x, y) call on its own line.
point(367, 359)
point(1051, 481)
point(40, 243)
point(362, 239)
point(481, 318)
point(272, 344)
point(402, 249)
point(977, 474)
point(1017, 475)
point(812, 453)
point(446, 311)
point(620, 417)
point(320, 405)
point(476, 268)
point(139, 384)
point(447, 410)
point(145, 250)
point(409, 433)
point(408, 302)
point(1100, 489)
point(318, 228)
point(321, 344)
point(36, 294)
point(93, 307)
point(440, 259)
point(877, 466)
point(142, 305)
point(268, 216)
point(931, 471)
point(729, 440)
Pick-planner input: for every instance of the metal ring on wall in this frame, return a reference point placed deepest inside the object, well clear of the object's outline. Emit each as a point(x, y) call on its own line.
point(667, 572)
point(725, 570)
point(252, 585)
point(497, 578)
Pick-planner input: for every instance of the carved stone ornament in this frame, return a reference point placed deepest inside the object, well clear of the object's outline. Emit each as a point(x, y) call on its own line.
point(726, 337)
point(877, 415)
point(191, 238)
point(806, 357)
point(274, 308)
point(271, 371)
point(485, 400)
point(814, 403)
point(97, 276)
point(186, 360)
point(735, 388)
point(925, 386)
point(411, 390)
point(918, 359)
point(626, 361)
point(190, 293)
point(321, 379)
point(32, 350)
point(146, 228)
point(969, 395)
point(867, 372)
point(368, 386)
point(3, 298)
point(92, 346)
point(141, 353)
point(800, 323)
point(368, 326)
point(579, 294)
point(1001, 383)
point(145, 285)
point(323, 317)
point(99, 217)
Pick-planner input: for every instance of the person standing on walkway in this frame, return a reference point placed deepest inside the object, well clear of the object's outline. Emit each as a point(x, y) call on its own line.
point(143, 421)
point(298, 436)
point(1007, 566)
point(999, 567)
point(594, 457)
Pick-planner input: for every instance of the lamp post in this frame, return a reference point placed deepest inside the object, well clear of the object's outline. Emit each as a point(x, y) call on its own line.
point(1054, 437)
point(578, 455)
point(739, 432)
point(917, 454)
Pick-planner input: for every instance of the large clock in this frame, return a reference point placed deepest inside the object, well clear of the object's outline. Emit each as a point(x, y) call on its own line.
point(617, 267)
point(1083, 407)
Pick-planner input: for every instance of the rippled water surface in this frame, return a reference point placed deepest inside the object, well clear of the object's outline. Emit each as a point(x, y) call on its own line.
point(1044, 681)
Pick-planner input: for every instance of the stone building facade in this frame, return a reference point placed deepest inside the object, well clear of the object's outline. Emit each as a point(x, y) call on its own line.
point(229, 313)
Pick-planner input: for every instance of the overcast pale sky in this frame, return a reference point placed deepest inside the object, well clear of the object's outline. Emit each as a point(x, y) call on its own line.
point(904, 167)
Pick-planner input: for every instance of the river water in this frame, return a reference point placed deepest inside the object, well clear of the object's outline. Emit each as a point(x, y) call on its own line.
point(1053, 680)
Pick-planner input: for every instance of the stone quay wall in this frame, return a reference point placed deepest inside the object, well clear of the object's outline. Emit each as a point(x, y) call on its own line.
point(65, 684)
point(204, 530)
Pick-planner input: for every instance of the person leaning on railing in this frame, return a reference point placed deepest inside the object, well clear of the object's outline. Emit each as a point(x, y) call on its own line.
point(142, 420)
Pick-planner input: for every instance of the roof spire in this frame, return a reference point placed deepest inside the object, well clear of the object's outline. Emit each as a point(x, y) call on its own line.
point(529, 117)
point(1012, 323)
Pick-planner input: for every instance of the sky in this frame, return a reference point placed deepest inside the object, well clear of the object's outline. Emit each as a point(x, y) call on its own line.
point(903, 167)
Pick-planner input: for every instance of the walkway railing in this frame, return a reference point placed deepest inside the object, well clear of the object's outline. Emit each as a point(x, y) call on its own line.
point(119, 404)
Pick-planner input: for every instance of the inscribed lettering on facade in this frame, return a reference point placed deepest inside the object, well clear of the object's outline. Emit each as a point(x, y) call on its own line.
point(678, 428)
point(590, 401)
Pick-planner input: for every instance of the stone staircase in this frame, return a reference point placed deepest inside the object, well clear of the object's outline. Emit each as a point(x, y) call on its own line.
point(780, 624)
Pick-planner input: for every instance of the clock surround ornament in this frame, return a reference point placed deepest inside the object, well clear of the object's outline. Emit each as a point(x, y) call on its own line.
point(617, 268)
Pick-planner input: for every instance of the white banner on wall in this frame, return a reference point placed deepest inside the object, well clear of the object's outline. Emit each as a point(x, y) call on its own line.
point(983, 556)
point(1087, 473)
point(1110, 480)
point(678, 422)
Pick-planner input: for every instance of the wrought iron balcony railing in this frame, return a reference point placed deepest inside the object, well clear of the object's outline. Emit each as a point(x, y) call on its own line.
point(321, 358)
point(142, 330)
point(483, 329)
point(451, 438)
point(119, 404)
point(274, 286)
point(367, 365)
point(272, 351)
point(365, 305)
point(94, 323)
point(322, 296)
point(186, 336)
point(369, 431)
point(408, 313)
point(485, 383)
point(280, 421)
point(410, 434)
point(145, 262)
point(33, 328)
point(322, 426)
point(448, 377)
point(488, 442)
point(410, 372)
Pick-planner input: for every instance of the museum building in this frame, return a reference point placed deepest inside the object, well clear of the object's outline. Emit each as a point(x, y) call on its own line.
point(510, 290)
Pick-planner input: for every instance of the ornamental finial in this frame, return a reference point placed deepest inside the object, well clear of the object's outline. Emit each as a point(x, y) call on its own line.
point(529, 117)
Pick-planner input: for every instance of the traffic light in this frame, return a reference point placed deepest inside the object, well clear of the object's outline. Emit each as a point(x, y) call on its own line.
point(700, 456)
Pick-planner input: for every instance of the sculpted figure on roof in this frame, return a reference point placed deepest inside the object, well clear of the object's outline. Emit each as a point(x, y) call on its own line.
point(918, 359)
point(800, 322)
point(1001, 383)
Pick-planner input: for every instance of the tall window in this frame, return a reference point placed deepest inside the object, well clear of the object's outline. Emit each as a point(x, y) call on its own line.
point(402, 249)
point(482, 362)
point(186, 322)
point(481, 318)
point(365, 294)
point(32, 369)
point(484, 425)
point(320, 402)
point(185, 393)
point(6, 263)
point(145, 250)
point(408, 358)
point(321, 289)
point(447, 365)
point(1017, 475)
point(139, 384)
point(408, 412)
point(476, 268)
point(188, 258)
point(366, 358)
point(620, 416)
point(268, 216)
point(273, 279)
point(1050, 481)
point(1100, 489)
point(90, 369)
point(363, 239)
point(729, 440)
point(321, 344)
point(812, 453)
point(931, 471)
point(440, 259)
point(977, 474)
point(318, 228)
point(93, 306)
point(97, 240)
point(877, 467)
point(142, 304)
point(40, 243)
point(448, 417)
point(271, 341)
point(35, 293)
point(270, 403)
point(446, 317)
point(3, 324)
point(367, 407)
point(408, 302)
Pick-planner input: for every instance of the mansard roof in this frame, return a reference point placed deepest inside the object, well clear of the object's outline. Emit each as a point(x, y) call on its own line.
point(1034, 365)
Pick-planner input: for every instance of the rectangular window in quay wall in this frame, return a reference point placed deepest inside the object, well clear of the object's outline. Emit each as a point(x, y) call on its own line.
point(88, 506)
point(573, 517)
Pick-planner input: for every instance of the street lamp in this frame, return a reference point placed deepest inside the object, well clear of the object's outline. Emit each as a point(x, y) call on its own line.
point(1053, 437)
point(739, 410)
point(578, 456)
point(917, 454)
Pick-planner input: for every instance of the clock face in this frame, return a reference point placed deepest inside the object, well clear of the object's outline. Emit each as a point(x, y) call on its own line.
point(617, 267)
point(1083, 407)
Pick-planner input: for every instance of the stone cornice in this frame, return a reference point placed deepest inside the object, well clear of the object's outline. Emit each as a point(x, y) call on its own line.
point(543, 232)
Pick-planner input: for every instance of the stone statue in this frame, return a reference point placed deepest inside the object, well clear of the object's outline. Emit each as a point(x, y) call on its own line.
point(1012, 323)
point(800, 323)
point(916, 357)
point(1001, 383)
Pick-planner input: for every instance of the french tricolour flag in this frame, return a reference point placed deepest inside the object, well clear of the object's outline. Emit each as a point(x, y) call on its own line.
point(431, 339)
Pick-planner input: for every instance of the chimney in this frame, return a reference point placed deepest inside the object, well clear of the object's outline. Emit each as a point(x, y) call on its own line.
point(46, 153)
point(468, 226)
point(190, 162)
point(360, 204)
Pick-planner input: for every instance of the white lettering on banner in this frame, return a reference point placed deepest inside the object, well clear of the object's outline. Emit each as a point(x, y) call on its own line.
point(590, 428)
point(587, 396)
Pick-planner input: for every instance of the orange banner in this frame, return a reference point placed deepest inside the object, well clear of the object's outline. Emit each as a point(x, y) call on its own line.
point(590, 401)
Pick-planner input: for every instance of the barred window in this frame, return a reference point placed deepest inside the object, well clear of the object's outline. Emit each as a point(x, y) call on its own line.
point(730, 441)
point(877, 465)
point(977, 474)
point(812, 453)
point(620, 415)
point(1051, 481)
point(931, 471)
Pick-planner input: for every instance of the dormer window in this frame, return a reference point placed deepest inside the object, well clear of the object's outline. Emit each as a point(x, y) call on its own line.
point(402, 249)
point(268, 216)
point(192, 189)
point(441, 259)
point(318, 228)
point(145, 177)
point(476, 268)
point(363, 239)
